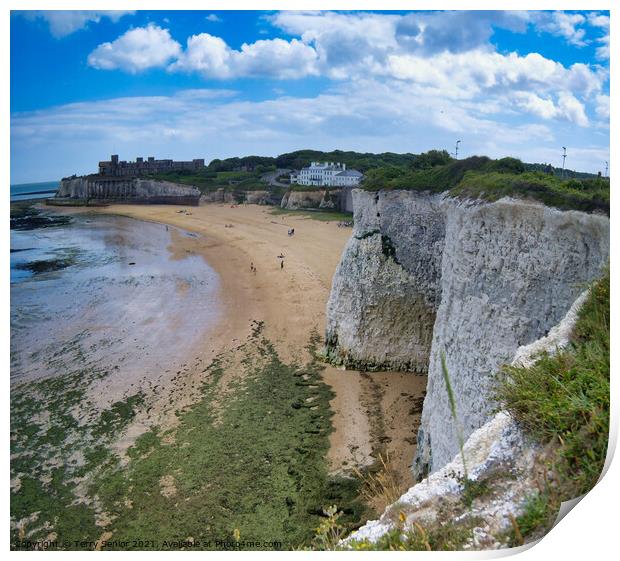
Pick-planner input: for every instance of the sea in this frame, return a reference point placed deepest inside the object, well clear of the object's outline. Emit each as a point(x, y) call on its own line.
point(24, 191)
point(107, 292)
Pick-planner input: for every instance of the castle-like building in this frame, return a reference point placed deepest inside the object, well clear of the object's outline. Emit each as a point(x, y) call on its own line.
point(328, 174)
point(114, 168)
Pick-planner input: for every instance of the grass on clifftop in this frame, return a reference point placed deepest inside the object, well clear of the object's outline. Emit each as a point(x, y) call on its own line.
point(481, 177)
point(207, 181)
point(563, 401)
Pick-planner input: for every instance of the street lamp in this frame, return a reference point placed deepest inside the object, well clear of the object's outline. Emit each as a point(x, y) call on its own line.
point(563, 160)
point(456, 150)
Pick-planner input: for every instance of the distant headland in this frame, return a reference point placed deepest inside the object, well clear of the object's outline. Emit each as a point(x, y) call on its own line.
point(314, 179)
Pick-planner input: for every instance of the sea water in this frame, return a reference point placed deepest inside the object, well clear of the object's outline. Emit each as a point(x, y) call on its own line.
point(109, 292)
point(24, 191)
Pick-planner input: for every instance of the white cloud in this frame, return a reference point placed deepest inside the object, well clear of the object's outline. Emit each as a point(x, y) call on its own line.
point(563, 24)
point(602, 52)
point(213, 58)
point(136, 50)
point(65, 22)
point(213, 18)
point(346, 44)
point(367, 115)
point(602, 106)
point(572, 109)
point(543, 107)
point(469, 74)
point(601, 21)
point(450, 52)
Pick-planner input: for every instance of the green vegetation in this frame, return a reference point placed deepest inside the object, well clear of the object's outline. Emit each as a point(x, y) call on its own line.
point(251, 462)
point(244, 173)
point(323, 215)
point(452, 402)
point(536, 519)
point(481, 177)
point(46, 442)
point(563, 402)
point(208, 180)
point(435, 171)
point(246, 463)
point(302, 158)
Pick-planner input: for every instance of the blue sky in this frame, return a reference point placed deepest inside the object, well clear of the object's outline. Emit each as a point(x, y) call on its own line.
point(217, 84)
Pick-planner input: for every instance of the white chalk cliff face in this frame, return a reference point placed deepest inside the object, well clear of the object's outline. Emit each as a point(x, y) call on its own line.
point(125, 189)
point(425, 274)
point(498, 452)
point(386, 289)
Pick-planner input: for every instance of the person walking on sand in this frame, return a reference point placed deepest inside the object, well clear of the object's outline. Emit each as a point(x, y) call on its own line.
point(251, 265)
point(282, 264)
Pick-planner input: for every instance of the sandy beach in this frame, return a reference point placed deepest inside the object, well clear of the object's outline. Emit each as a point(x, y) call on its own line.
point(189, 358)
point(369, 409)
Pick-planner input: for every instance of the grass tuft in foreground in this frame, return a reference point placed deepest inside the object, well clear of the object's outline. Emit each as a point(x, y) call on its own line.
point(563, 401)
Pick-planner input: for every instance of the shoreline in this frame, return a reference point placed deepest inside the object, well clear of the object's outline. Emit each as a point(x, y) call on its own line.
point(291, 304)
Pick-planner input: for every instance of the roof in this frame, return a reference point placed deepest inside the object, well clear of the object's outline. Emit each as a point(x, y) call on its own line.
point(349, 173)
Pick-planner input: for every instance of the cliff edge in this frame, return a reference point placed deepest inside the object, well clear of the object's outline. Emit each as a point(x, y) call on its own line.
point(429, 274)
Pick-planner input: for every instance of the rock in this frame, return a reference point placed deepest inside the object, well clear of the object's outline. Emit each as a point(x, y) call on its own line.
point(510, 271)
point(497, 452)
point(385, 291)
point(127, 190)
point(313, 198)
point(425, 274)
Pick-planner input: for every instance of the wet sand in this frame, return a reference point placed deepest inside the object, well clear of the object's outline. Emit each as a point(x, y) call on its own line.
point(371, 410)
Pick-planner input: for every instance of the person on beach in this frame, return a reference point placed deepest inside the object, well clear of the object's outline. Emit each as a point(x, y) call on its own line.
point(282, 264)
point(252, 266)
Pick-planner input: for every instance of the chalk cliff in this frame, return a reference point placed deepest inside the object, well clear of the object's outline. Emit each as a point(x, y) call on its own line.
point(386, 289)
point(126, 189)
point(426, 274)
point(318, 198)
point(240, 196)
point(498, 453)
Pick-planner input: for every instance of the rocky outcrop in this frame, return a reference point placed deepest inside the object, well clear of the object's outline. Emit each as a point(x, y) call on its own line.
point(218, 196)
point(239, 197)
point(126, 190)
point(497, 454)
point(386, 289)
point(424, 275)
point(319, 198)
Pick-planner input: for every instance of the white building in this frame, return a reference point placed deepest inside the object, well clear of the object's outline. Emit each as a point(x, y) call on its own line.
point(328, 174)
